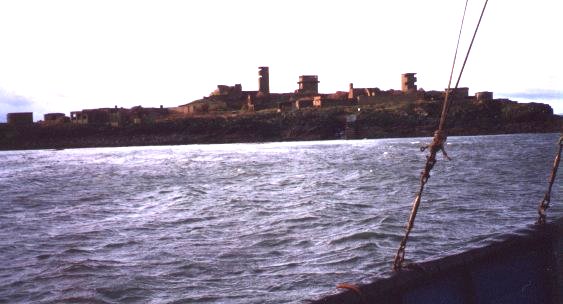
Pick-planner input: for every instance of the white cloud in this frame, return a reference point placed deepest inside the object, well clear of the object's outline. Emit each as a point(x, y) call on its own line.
point(13, 103)
point(104, 53)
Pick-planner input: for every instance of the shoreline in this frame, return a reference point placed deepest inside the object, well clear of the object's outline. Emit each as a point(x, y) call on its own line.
point(305, 125)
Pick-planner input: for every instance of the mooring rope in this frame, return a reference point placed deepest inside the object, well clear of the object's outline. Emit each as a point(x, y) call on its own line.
point(437, 145)
point(544, 204)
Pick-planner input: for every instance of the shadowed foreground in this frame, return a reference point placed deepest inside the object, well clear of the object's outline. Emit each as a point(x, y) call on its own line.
point(523, 268)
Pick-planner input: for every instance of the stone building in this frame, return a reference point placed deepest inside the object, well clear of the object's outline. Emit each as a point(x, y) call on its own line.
point(355, 93)
point(308, 85)
point(325, 102)
point(263, 81)
point(459, 93)
point(20, 118)
point(408, 83)
point(91, 117)
point(230, 92)
point(303, 102)
point(484, 96)
point(53, 116)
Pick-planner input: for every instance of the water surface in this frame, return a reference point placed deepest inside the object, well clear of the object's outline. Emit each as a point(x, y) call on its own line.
point(251, 223)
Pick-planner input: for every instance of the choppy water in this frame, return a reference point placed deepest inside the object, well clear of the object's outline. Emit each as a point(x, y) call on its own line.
point(250, 223)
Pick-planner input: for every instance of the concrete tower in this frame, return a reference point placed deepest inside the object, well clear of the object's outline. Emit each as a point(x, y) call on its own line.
point(308, 85)
point(408, 83)
point(263, 80)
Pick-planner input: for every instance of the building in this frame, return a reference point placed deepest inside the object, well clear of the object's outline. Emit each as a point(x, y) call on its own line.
point(54, 117)
point(355, 93)
point(263, 81)
point(303, 102)
point(118, 117)
point(324, 102)
point(230, 92)
point(20, 118)
point(308, 85)
point(91, 117)
point(408, 83)
point(484, 96)
point(459, 93)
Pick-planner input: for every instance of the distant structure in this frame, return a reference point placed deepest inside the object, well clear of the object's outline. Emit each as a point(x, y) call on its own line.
point(355, 93)
point(53, 116)
point(484, 96)
point(231, 92)
point(20, 118)
point(117, 117)
point(459, 93)
point(263, 81)
point(408, 83)
point(304, 102)
point(231, 100)
point(351, 93)
point(91, 116)
point(308, 85)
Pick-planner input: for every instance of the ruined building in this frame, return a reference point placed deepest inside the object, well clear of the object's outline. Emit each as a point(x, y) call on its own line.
point(459, 93)
point(118, 117)
point(91, 116)
point(484, 96)
point(354, 93)
point(308, 85)
point(233, 99)
point(20, 118)
point(231, 92)
point(55, 118)
point(263, 81)
point(408, 83)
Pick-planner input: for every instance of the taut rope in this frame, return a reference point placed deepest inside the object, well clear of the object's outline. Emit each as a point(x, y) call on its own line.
point(544, 204)
point(437, 145)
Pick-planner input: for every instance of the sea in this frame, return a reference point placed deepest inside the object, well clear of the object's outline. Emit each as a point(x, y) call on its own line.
point(279, 222)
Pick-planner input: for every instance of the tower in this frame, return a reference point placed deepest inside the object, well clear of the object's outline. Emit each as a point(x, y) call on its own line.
point(263, 80)
point(308, 85)
point(408, 83)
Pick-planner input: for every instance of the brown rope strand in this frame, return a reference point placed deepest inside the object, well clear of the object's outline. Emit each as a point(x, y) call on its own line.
point(437, 145)
point(544, 204)
point(447, 97)
point(446, 106)
point(438, 142)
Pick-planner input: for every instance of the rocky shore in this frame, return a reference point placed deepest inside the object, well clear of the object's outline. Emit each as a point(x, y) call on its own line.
point(390, 120)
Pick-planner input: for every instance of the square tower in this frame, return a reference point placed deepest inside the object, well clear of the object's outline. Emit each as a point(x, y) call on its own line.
point(263, 80)
point(408, 83)
point(308, 85)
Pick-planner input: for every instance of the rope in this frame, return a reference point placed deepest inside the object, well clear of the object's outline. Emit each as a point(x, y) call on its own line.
point(355, 289)
point(444, 110)
point(446, 103)
point(544, 204)
point(437, 145)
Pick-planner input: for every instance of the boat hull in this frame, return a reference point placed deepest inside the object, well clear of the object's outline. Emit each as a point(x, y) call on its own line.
point(525, 267)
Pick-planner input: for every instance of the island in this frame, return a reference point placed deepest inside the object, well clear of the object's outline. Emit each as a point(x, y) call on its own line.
point(232, 115)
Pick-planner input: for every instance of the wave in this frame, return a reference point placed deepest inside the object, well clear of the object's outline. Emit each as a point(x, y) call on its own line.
point(258, 223)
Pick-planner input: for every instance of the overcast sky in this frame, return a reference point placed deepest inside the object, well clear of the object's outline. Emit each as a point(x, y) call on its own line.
point(62, 56)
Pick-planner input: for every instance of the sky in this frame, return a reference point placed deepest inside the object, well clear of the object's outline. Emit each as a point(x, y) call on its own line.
point(68, 55)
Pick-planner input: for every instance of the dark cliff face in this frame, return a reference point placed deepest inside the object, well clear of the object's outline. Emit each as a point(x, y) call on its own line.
point(395, 120)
